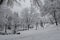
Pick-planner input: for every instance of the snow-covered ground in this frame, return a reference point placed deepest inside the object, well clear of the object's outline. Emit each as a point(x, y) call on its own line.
point(51, 32)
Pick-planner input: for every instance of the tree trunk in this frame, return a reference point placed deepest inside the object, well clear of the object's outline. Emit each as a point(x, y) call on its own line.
point(36, 26)
point(1, 1)
point(28, 26)
point(55, 18)
point(5, 31)
point(5, 28)
point(41, 24)
point(15, 29)
point(23, 27)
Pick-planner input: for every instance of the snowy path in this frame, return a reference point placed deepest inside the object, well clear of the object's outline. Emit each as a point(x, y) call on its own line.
point(50, 33)
point(53, 35)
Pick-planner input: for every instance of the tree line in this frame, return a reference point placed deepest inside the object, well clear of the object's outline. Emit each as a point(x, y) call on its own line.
point(48, 13)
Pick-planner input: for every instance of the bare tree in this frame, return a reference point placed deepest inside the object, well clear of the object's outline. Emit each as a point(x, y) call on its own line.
point(16, 21)
point(30, 16)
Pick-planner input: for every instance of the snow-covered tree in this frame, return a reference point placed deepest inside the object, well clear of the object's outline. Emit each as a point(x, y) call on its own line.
point(52, 7)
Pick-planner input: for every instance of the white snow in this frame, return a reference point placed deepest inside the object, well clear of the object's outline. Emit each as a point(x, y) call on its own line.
point(49, 33)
